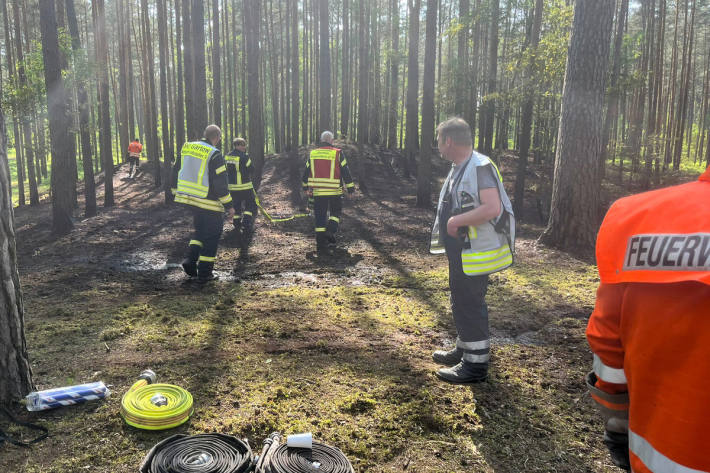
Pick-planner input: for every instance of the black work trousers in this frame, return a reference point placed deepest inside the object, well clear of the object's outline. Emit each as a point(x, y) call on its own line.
point(244, 207)
point(468, 306)
point(327, 210)
point(203, 246)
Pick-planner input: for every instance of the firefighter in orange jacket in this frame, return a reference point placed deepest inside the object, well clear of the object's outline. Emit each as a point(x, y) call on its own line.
point(134, 156)
point(324, 178)
point(650, 329)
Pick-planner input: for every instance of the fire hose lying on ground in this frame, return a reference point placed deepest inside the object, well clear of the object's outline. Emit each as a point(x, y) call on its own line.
point(278, 457)
point(202, 453)
point(152, 406)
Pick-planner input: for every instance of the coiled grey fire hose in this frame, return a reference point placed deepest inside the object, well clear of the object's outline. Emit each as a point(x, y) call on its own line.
point(202, 453)
point(276, 457)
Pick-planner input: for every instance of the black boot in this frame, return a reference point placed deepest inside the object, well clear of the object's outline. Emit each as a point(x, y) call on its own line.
point(448, 358)
point(190, 267)
point(464, 373)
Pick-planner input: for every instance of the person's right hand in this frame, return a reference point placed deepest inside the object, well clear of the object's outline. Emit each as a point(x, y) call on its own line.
point(309, 192)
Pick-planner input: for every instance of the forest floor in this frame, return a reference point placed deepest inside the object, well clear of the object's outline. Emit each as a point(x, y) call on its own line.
point(339, 346)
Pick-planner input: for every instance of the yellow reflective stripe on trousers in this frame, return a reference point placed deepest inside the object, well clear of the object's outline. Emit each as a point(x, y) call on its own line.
point(207, 259)
point(335, 219)
point(196, 242)
point(653, 459)
point(240, 187)
point(206, 204)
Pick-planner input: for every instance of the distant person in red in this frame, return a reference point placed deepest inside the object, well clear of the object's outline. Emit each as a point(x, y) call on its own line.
point(134, 156)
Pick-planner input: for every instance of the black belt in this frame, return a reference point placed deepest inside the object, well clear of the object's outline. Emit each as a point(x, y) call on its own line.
point(5, 437)
point(276, 457)
point(202, 453)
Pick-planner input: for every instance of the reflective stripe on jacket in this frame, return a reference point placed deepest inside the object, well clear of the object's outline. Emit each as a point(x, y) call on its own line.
point(650, 329)
point(324, 169)
point(200, 177)
point(194, 177)
point(238, 166)
point(487, 250)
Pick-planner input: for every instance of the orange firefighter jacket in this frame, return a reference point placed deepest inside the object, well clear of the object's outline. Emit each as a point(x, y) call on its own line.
point(134, 149)
point(650, 329)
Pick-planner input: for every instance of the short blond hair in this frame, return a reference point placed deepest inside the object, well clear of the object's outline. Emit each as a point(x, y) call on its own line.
point(239, 142)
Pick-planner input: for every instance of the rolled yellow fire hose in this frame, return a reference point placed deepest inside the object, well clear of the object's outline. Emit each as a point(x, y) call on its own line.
point(151, 406)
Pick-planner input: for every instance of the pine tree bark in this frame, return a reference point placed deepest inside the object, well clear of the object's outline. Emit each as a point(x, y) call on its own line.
point(346, 75)
point(188, 69)
point(324, 122)
point(216, 66)
point(84, 117)
point(526, 117)
point(164, 115)
point(252, 22)
point(15, 371)
point(394, 80)
point(25, 121)
point(424, 167)
point(412, 125)
point(124, 55)
point(199, 86)
point(575, 209)
point(104, 113)
point(59, 120)
point(462, 81)
point(364, 76)
point(485, 144)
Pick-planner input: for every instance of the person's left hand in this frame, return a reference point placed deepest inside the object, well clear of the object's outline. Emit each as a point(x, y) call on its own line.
point(452, 227)
point(230, 214)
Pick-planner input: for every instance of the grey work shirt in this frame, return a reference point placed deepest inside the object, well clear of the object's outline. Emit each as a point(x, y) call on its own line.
point(486, 180)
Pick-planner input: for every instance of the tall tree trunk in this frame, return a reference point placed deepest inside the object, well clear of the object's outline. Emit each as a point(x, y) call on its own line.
point(84, 123)
point(104, 113)
point(613, 107)
point(164, 115)
point(59, 120)
point(199, 86)
point(574, 214)
point(188, 65)
point(16, 127)
point(685, 86)
point(181, 84)
point(295, 75)
point(324, 69)
point(364, 76)
point(15, 371)
point(26, 127)
point(526, 115)
point(462, 77)
point(485, 144)
point(346, 75)
point(150, 102)
point(124, 55)
point(424, 168)
point(412, 126)
point(394, 82)
point(252, 21)
point(216, 67)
